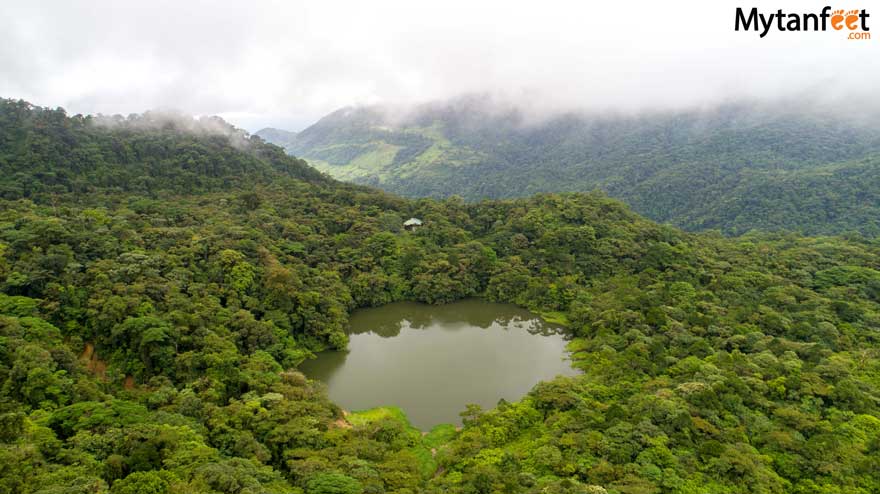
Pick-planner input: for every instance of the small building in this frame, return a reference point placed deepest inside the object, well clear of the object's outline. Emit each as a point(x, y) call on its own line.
point(411, 224)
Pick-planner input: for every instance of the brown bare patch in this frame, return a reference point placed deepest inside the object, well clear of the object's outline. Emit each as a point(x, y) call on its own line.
point(341, 424)
point(87, 352)
point(129, 382)
point(93, 364)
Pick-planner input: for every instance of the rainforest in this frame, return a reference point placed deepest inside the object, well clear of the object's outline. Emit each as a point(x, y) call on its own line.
point(163, 278)
point(796, 165)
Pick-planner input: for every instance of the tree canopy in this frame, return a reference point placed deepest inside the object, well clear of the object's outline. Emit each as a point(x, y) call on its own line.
point(153, 314)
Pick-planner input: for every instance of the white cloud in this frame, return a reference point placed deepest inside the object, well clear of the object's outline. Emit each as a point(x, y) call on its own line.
point(288, 63)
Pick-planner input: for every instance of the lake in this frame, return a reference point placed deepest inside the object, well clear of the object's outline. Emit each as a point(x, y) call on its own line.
point(433, 360)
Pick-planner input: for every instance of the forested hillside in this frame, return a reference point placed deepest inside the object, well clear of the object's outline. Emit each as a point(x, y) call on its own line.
point(734, 168)
point(160, 284)
point(43, 151)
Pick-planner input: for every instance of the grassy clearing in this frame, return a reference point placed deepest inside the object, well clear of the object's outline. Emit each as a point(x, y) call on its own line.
point(439, 435)
point(424, 445)
point(554, 318)
point(376, 159)
point(364, 417)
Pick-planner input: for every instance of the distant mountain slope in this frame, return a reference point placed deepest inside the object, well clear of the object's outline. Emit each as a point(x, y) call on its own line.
point(277, 136)
point(734, 167)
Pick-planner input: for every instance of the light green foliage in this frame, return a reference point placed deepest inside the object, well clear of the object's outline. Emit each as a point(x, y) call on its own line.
point(334, 483)
point(143, 483)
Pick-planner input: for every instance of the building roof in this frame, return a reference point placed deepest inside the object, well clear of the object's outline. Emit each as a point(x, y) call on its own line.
point(412, 222)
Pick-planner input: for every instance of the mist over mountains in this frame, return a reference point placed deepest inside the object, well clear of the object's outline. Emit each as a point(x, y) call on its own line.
point(691, 209)
point(733, 167)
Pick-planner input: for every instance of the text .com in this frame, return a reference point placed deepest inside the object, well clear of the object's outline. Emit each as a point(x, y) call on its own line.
point(854, 22)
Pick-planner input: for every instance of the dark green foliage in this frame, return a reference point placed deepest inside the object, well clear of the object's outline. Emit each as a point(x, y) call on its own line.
point(149, 338)
point(45, 152)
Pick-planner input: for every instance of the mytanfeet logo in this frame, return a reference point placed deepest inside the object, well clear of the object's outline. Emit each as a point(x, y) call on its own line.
point(853, 21)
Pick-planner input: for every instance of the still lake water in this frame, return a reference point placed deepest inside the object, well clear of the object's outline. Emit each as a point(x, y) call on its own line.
point(433, 360)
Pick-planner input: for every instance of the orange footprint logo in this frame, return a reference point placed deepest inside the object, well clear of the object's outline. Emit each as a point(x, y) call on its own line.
point(852, 19)
point(837, 19)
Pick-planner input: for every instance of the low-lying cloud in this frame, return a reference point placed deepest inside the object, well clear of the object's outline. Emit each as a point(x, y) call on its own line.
point(287, 64)
point(174, 121)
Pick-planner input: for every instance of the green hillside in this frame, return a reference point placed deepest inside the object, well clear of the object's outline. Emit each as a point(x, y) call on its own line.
point(43, 151)
point(161, 280)
point(277, 136)
point(732, 168)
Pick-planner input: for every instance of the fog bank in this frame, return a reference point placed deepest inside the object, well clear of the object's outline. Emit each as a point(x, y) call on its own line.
point(286, 64)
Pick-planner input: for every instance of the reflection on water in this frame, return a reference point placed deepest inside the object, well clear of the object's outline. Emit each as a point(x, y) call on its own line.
point(388, 321)
point(433, 360)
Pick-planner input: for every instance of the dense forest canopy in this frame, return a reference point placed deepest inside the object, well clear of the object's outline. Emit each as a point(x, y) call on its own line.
point(734, 167)
point(44, 152)
point(159, 285)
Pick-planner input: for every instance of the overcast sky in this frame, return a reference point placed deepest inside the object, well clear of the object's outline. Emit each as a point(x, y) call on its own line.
point(287, 63)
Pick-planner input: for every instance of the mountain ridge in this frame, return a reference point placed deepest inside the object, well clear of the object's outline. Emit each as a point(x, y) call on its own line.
point(46, 151)
point(666, 165)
